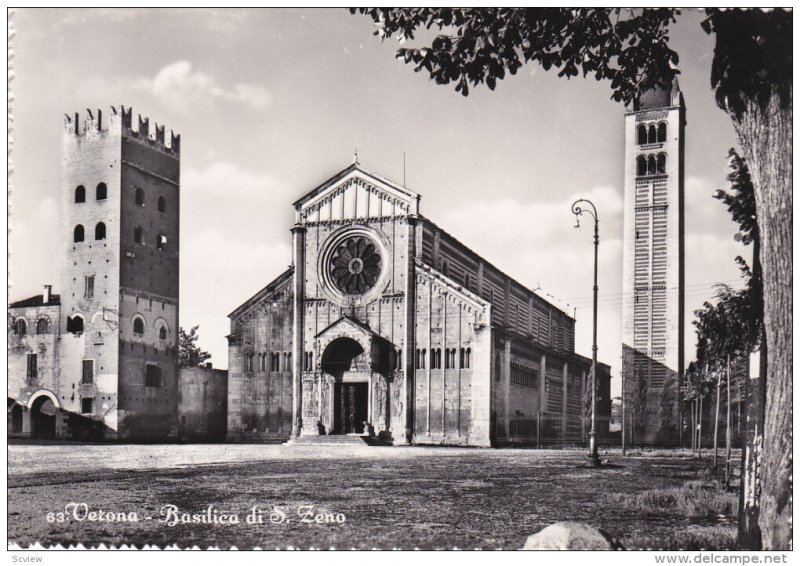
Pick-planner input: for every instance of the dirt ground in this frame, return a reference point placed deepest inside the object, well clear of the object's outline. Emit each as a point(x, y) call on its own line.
point(337, 497)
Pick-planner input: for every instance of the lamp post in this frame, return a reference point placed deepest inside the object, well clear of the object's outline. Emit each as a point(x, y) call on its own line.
point(577, 210)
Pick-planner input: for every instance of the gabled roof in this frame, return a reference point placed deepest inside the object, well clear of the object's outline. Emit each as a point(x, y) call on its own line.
point(272, 286)
point(356, 167)
point(349, 319)
point(36, 301)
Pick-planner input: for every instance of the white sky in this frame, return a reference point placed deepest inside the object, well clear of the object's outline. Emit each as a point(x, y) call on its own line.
point(269, 103)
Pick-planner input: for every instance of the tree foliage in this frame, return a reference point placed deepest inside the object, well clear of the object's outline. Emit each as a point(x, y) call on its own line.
point(627, 46)
point(189, 353)
point(752, 57)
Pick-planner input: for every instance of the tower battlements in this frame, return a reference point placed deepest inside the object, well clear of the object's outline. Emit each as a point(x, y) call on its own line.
point(121, 123)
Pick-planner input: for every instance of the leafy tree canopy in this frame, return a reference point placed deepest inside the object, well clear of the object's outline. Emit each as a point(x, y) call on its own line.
point(629, 47)
point(189, 353)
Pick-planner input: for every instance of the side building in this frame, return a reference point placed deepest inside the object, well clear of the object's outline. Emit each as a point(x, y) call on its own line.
point(385, 325)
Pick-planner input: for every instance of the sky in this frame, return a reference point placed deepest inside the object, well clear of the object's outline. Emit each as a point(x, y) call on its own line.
point(270, 103)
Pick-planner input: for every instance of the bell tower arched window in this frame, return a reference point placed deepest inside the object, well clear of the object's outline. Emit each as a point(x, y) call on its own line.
point(139, 198)
point(651, 165)
point(662, 132)
point(641, 136)
point(100, 231)
point(641, 166)
point(652, 136)
point(662, 163)
point(77, 234)
point(80, 194)
point(102, 192)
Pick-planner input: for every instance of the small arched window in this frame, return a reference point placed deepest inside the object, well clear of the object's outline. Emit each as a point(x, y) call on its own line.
point(80, 194)
point(20, 327)
point(162, 333)
point(662, 163)
point(138, 235)
point(161, 242)
point(641, 165)
point(100, 231)
point(651, 135)
point(651, 165)
point(42, 326)
point(642, 134)
point(162, 204)
point(102, 191)
point(662, 132)
point(139, 196)
point(77, 234)
point(75, 324)
point(138, 326)
point(467, 357)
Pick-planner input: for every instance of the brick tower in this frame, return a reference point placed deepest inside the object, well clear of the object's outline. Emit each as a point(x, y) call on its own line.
point(653, 266)
point(119, 299)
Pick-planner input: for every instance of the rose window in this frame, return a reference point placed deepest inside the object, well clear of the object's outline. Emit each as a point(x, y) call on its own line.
point(355, 265)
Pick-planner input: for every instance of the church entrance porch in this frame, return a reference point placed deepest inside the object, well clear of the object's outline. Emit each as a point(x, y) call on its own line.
point(350, 408)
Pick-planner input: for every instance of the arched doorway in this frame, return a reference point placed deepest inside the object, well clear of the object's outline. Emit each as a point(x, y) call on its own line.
point(43, 418)
point(346, 361)
point(16, 418)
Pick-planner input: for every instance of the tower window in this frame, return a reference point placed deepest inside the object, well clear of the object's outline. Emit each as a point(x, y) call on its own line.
point(20, 327)
point(42, 326)
point(662, 163)
point(77, 234)
point(651, 165)
point(138, 235)
point(33, 366)
point(161, 243)
point(80, 194)
point(162, 333)
point(652, 136)
point(641, 166)
point(102, 191)
point(139, 196)
point(138, 326)
point(100, 231)
point(152, 375)
point(162, 204)
point(75, 324)
point(642, 134)
point(88, 286)
point(87, 375)
point(87, 406)
point(662, 132)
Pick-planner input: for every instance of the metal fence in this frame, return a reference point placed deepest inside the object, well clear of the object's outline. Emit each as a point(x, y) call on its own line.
point(555, 431)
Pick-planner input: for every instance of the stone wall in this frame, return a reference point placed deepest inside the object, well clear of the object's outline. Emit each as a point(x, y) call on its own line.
point(202, 404)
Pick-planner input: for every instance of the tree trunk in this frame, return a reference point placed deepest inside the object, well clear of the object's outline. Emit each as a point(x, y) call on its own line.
point(728, 422)
point(716, 422)
point(766, 138)
point(700, 429)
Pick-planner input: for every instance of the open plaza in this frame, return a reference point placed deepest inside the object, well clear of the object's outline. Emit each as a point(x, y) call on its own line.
point(346, 497)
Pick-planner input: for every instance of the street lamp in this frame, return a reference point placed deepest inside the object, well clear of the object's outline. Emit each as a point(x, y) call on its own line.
point(577, 210)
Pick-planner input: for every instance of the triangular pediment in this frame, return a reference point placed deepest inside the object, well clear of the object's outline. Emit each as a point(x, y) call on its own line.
point(347, 325)
point(354, 193)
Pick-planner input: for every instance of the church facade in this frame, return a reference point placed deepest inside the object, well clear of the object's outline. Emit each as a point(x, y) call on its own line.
point(387, 326)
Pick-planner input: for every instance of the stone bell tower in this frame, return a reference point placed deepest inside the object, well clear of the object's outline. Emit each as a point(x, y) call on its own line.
point(653, 266)
point(120, 194)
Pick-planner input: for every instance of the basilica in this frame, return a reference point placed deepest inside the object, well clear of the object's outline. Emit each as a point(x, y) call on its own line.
point(387, 327)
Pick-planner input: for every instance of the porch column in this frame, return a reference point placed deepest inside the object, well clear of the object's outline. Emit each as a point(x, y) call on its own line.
point(298, 238)
point(410, 328)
